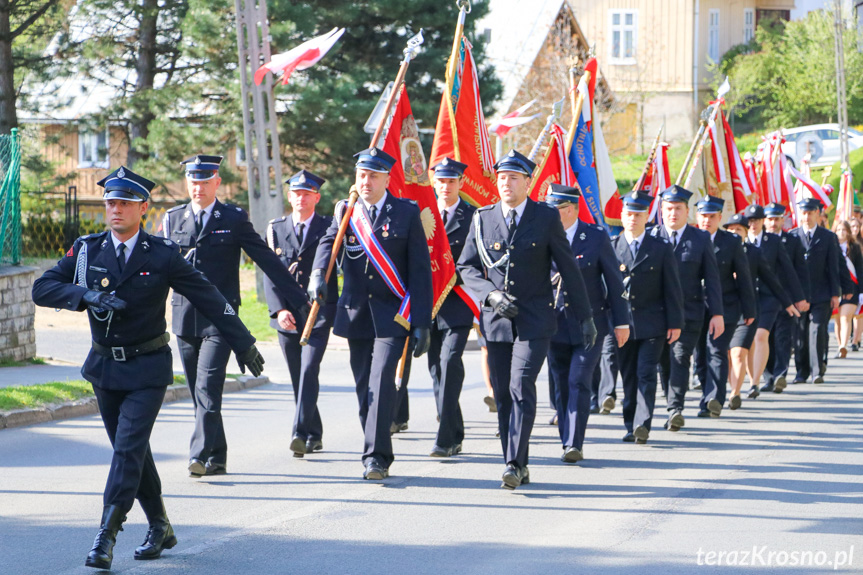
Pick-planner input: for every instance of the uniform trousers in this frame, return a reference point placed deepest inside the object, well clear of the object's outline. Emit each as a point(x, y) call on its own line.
point(513, 367)
point(447, 372)
point(304, 364)
point(675, 363)
point(782, 340)
point(605, 380)
point(809, 355)
point(573, 369)
point(205, 361)
point(129, 417)
point(374, 362)
point(638, 360)
point(711, 358)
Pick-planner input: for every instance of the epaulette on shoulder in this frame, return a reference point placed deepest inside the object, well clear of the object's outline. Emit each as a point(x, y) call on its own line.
point(175, 208)
point(233, 207)
point(163, 241)
point(92, 236)
point(276, 220)
point(486, 208)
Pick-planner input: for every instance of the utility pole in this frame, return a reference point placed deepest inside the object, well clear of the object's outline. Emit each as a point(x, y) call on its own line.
point(263, 157)
point(839, 23)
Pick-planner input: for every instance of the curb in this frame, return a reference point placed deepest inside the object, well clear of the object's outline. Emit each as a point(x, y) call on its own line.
point(88, 406)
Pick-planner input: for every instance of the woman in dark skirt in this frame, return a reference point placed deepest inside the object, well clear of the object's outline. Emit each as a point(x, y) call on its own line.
point(852, 258)
point(744, 332)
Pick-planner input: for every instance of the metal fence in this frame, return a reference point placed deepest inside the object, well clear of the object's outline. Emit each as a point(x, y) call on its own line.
point(10, 198)
point(53, 220)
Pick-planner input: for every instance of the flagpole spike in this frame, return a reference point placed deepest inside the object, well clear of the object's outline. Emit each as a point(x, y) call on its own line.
point(413, 46)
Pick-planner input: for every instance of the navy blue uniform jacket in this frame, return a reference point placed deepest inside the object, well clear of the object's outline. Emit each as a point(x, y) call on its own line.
point(601, 274)
point(654, 293)
point(454, 312)
point(299, 260)
point(154, 266)
point(735, 274)
point(367, 308)
point(217, 255)
point(822, 258)
point(539, 239)
point(697, 271)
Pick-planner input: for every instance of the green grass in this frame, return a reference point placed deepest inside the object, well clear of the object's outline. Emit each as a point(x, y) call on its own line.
point(13, 363)
point(256, 316)
point(30, 396)
point(627, 169)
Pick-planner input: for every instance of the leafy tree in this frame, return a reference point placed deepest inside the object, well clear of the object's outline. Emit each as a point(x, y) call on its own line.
point(787, 75)
point(24, 24)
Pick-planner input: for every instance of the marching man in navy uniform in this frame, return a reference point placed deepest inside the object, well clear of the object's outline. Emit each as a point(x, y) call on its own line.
point(122, 277)
point(822, 258)
point(386, 297)
point(656, 314)
point(571, 361)
point(507, 263)
point(211, 235)
point(699, 280)
point(454, 320)
point(294, 238)
point(738, 300)
point(786, 331)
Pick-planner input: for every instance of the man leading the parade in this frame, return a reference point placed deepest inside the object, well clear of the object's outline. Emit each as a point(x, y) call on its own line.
point(507, 264)
point(122, 277)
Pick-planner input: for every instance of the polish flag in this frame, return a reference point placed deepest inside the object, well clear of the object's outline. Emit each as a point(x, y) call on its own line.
point(810, 185)
point(303, 56)
point(512, 120)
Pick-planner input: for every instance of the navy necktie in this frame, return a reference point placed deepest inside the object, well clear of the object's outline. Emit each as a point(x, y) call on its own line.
point(121, 256)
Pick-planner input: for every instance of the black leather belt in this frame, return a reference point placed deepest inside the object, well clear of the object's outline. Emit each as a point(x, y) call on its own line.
point(123, 353)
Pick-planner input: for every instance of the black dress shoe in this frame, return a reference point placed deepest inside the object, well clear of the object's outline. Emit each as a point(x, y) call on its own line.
point(214, 468)
point(753, 393)
point(697, 387)
point(160, 535)
point(102, 553)
point(553, 420)
point(818, 379)
point(799, 379)
point(735, 402)
point(629, 438)
point(197, 468)
point(512, 477)
point(855, 347)
point(298, 446)
point(313, 445)
point(572, 455)
point(375, 471)
point(594, 409)
point(641, 434)
point(704, 413)
point(767, 387)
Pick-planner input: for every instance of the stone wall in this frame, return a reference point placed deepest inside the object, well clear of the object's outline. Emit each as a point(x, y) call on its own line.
point(17, 313)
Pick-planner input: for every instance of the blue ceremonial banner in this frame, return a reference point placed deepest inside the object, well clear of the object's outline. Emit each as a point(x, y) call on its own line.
point(581, 158)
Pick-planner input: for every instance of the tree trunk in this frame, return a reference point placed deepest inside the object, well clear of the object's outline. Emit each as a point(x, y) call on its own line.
point(141, 116)
point(8, 97)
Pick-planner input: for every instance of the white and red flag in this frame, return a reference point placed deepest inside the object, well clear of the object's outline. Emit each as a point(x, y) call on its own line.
point(303, 56)
point(512, 120)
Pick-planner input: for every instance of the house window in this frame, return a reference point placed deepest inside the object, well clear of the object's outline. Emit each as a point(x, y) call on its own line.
point(713, 35)
point(93, 149)
point(748, 24)
point(624, 26)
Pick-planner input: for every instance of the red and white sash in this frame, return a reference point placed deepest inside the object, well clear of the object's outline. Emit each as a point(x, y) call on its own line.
point(378, 257)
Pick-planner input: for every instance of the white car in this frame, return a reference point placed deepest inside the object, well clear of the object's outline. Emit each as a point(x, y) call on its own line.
point(820, 140)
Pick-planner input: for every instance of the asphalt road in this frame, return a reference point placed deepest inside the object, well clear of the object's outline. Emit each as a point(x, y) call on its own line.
point(780, 476)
